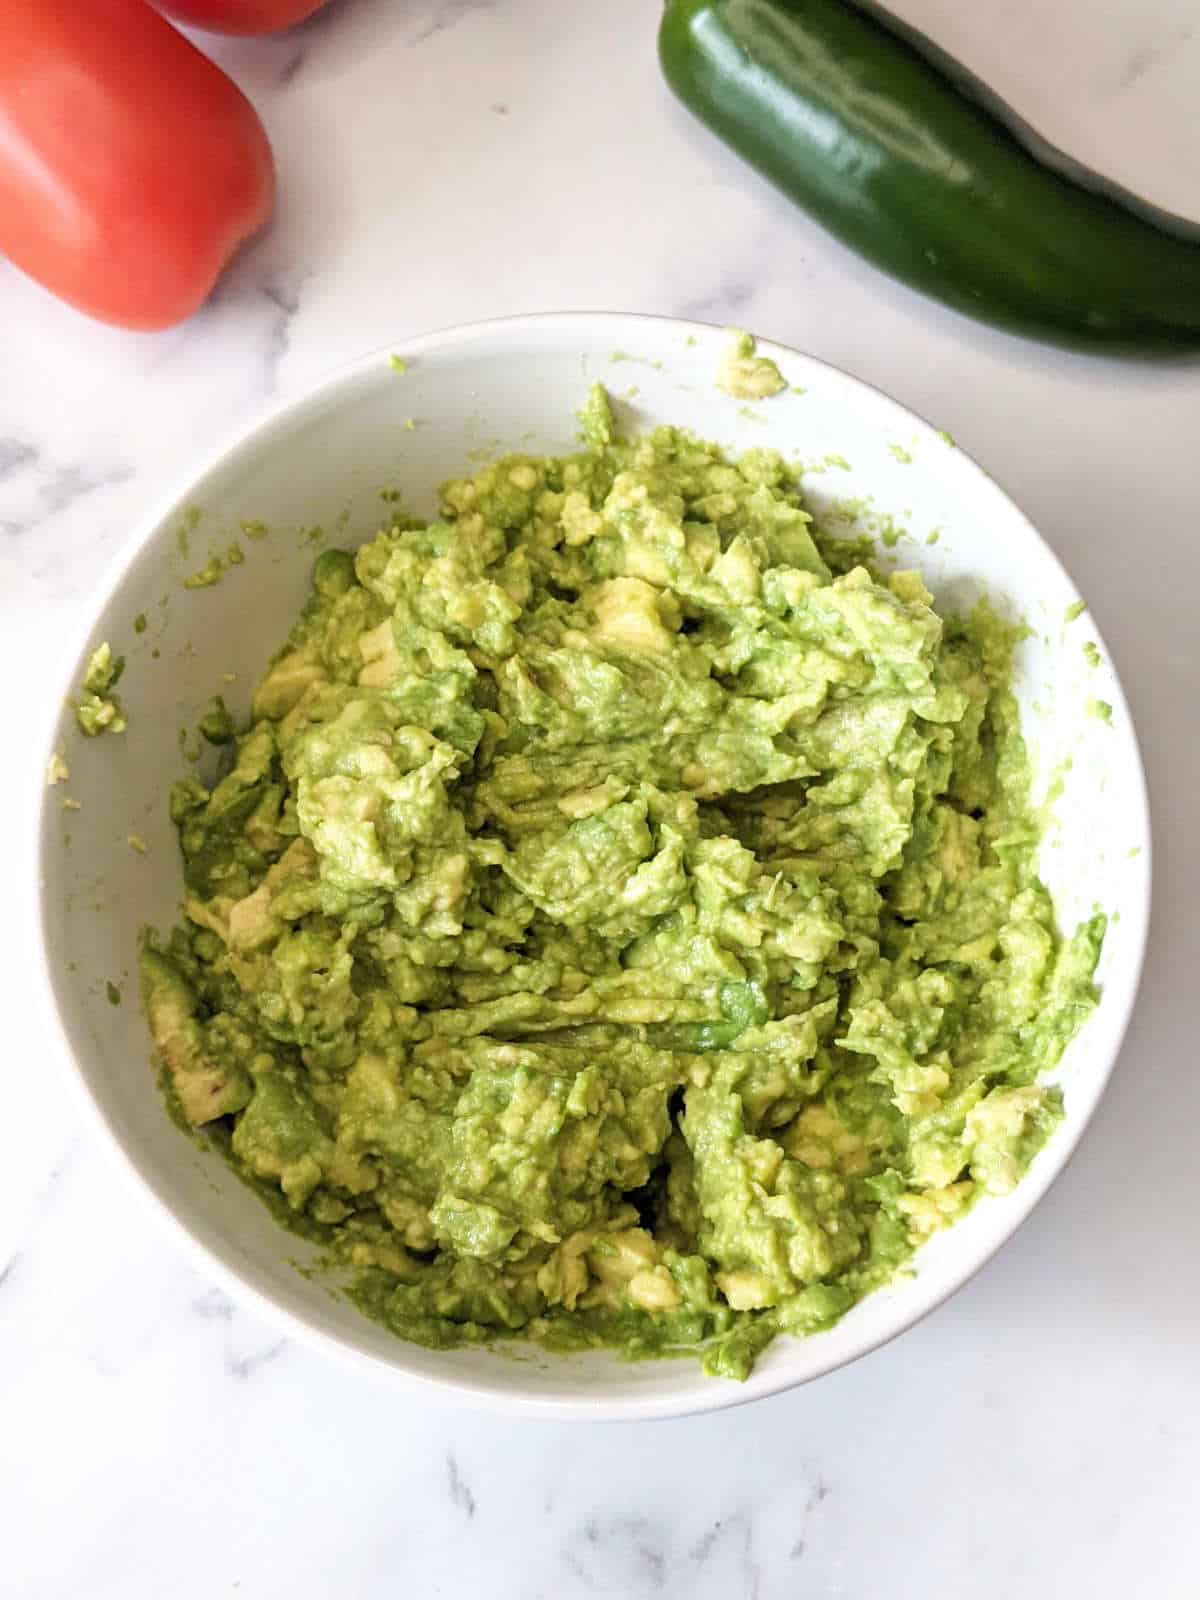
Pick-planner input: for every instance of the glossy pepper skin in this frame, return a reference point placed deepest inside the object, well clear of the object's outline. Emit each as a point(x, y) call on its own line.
point(904, 157)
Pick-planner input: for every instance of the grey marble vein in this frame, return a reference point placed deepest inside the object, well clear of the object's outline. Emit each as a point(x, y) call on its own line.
point(213, 1305)
point(817, 1496)
point(447, 14)
point(14, 455)
point(736, 1531)
point(260, 294)
point(45, 1196)
point(292, 64)
point(1147, 56)
point(461, 1495)
point(724, 302)
point(284, 297)
point(635, 1545)
point(57, 487)
point(243, 1367)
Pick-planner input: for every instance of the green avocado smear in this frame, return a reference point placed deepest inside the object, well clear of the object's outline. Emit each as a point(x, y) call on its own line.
point(617, 923)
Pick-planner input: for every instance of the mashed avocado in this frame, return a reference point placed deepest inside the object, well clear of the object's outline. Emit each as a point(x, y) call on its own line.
point(617, 921)
point(98, 709)
point(744, 375)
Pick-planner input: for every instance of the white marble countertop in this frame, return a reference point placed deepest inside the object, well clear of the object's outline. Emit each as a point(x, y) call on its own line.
point(444, 160)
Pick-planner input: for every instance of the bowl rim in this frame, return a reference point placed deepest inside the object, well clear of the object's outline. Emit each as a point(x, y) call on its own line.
point(709, 1394)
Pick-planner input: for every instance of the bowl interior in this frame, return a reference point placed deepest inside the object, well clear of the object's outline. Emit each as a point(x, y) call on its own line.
point(313, 475)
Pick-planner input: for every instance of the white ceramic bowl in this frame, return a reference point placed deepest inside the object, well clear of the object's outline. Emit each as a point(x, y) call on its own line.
point(322, 460)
